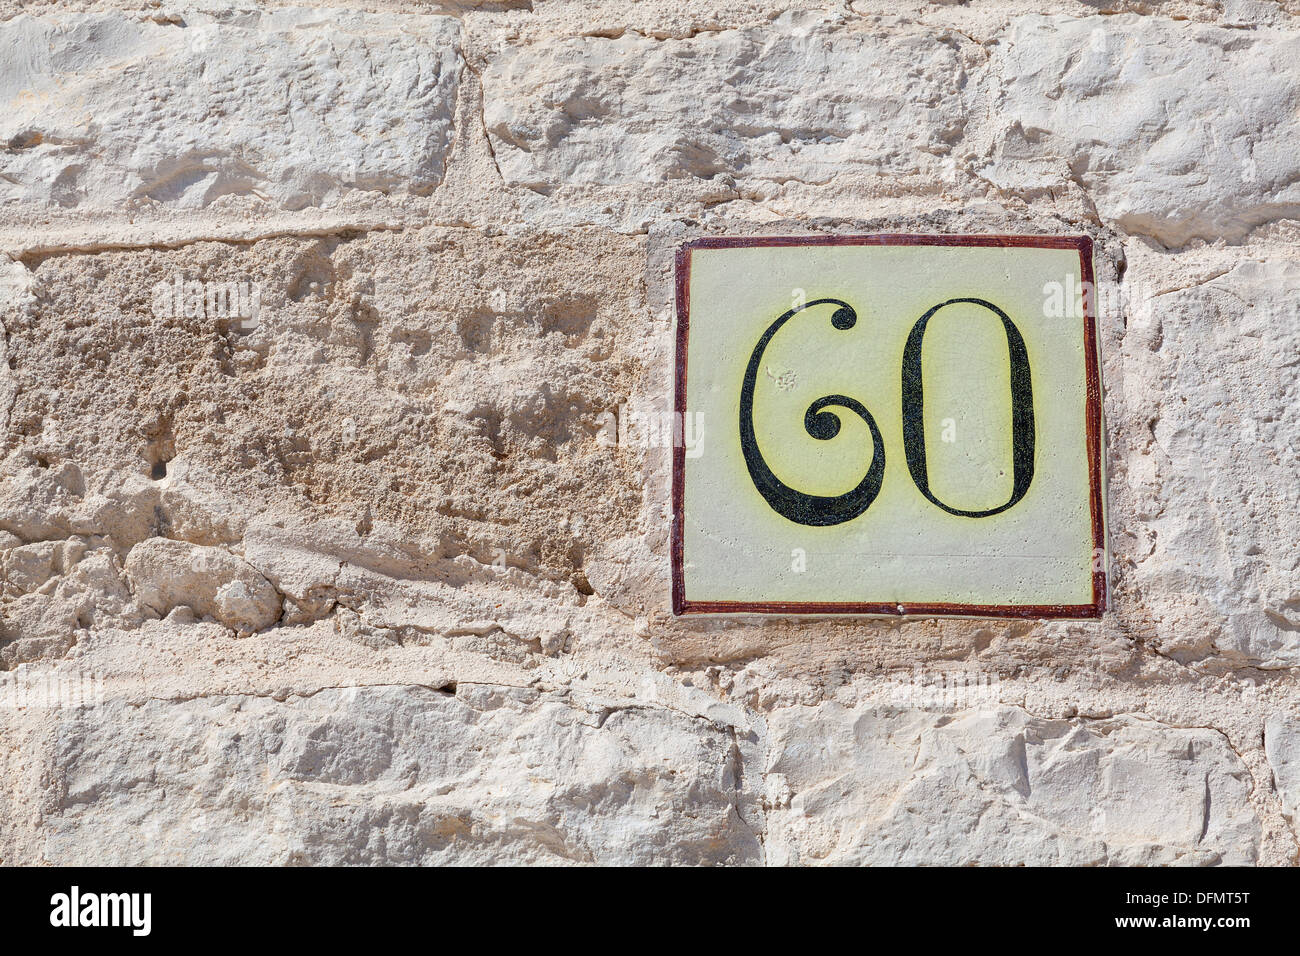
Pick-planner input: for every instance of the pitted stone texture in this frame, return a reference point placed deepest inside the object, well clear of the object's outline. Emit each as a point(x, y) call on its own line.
point(394, 775)
point(450, 384)
point(806, 98)
point(1177, 131)
point(999, 786)
point(293, 107)
point(1213, 408)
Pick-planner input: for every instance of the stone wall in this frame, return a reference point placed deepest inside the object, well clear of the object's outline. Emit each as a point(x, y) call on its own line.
point(361, 579)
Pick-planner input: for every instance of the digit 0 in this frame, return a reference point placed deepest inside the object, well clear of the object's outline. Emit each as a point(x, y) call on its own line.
point(1022, 411)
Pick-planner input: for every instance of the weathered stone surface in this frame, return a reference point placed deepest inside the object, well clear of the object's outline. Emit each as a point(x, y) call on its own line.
point(166, 574)
point(498, 774)
point(294, 108)
point(1173, 129)
point(890, 786)
point(1282, 745)
point(496, 358)
point(395, 775)
point(808, 97)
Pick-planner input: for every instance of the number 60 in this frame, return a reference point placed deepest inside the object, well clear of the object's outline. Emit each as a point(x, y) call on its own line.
point(821, 510)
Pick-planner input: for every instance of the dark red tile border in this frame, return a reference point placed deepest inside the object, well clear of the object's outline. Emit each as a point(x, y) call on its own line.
point(1083, 244)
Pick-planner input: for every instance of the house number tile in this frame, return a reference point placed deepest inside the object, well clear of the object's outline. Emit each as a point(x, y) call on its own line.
point(888, 425)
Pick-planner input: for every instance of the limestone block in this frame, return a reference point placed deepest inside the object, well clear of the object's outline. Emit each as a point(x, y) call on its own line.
point(1177, 131)
point(294, 107)
point(996, 785)
point(396, 775)
point(806, 98)
point(1210, 389)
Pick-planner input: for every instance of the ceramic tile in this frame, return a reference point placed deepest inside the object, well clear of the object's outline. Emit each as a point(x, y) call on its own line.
point(888, 425)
